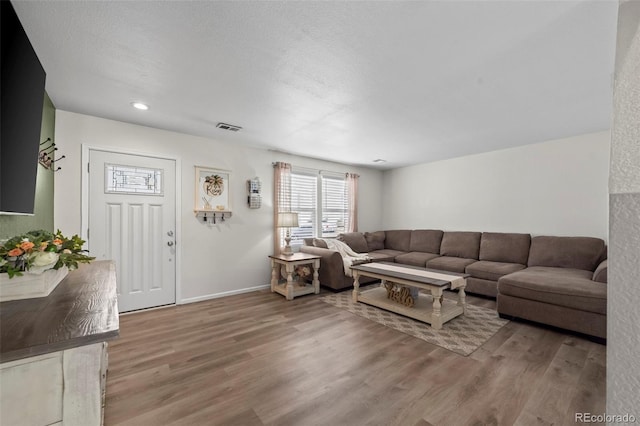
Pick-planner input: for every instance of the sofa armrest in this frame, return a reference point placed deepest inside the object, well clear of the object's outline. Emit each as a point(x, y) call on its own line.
point(331, 273)
point(600, 274)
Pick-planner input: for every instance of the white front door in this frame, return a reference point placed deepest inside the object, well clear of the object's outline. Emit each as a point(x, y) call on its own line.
point(132, 220)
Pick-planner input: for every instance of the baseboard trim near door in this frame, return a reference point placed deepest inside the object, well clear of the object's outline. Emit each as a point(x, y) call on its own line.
point(223, 294)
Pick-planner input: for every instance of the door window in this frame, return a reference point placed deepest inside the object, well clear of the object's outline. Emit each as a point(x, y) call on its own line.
point(132, 180)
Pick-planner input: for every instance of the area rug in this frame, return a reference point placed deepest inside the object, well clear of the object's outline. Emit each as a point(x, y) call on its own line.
point(462, 335)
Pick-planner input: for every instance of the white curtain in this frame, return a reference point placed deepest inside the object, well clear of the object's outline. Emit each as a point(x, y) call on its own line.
point(281, 199)
point(352, 201)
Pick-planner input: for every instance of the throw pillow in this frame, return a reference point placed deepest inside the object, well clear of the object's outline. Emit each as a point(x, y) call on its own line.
point(318, 242)
point(461, 244)
point(375, 240)
point(355, 240)
point(600, 274)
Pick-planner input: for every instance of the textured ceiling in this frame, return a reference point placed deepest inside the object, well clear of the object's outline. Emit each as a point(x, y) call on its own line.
point(408, 82)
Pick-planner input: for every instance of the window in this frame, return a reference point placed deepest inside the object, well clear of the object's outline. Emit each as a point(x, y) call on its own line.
point(321, 202)
point(334, 206)
point(304, 188)
point(132, 180)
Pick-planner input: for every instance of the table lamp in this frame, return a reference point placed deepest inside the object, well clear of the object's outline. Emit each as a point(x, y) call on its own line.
point(287, 220)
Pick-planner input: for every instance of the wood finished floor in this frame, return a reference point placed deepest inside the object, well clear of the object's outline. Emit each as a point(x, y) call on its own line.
point(257, 359)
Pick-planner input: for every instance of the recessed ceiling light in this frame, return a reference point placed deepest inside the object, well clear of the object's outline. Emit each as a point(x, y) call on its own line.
point(379, 160)
point(140, 105)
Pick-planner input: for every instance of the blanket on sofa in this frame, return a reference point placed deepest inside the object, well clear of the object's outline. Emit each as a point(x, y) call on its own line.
point(349, 257)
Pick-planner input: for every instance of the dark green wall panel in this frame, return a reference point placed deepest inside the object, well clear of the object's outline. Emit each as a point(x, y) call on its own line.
point(43, 213)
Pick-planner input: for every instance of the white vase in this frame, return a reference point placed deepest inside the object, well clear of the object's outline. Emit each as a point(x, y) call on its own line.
point(29, 286)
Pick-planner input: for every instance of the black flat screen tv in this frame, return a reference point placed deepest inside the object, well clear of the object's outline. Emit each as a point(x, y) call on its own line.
point(22, 93)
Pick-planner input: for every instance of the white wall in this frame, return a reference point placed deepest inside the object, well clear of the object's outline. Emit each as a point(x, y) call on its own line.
point(215, 259)
point(623, 298)
point(557, 187)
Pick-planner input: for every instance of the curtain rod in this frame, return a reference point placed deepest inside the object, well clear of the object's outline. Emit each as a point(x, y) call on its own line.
point(309, 169)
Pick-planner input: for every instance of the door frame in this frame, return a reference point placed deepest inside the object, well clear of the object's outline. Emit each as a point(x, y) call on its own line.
point(84, 200)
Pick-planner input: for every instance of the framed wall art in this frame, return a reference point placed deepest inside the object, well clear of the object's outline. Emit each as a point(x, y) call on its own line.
point(212, 190)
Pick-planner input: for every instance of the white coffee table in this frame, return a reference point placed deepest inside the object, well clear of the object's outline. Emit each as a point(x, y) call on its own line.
point(434, 309)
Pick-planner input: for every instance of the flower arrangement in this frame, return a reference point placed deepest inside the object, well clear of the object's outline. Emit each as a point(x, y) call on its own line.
point(38, 251)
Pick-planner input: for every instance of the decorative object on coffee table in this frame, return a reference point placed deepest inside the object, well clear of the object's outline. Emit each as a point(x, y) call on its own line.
point(400, 294)
point(287, 220)
point(289, 288)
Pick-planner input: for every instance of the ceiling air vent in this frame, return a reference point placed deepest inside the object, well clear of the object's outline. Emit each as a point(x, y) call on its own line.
point(230, 127)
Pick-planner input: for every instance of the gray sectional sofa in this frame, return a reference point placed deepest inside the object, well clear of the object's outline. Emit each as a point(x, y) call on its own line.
point(560, 281)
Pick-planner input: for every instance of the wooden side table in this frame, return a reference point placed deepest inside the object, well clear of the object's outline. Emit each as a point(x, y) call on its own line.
point(291, 289)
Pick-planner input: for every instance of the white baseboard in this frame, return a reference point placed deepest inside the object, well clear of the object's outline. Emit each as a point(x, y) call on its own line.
point(223, 294)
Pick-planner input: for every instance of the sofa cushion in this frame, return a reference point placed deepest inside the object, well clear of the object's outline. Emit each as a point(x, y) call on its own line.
point(572, 288)
point(425, 240)
point(384, 255)
point(415, 258)
point(505, 247)
point(375, 240)
point(355, 240)
point(479, 286)
point(600, 274)
point(566, 252)
point(319, 242)
point(492, 270)
point(451, 264)
point(397, 240)
point(461, 244)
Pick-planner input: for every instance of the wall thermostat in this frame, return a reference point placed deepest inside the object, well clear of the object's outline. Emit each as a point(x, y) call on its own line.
point(254, 199)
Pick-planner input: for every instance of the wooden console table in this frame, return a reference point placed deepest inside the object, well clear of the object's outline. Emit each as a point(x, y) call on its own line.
point(291, 289)
point(53, 350)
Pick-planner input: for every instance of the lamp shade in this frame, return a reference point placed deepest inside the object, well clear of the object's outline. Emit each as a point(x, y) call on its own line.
point(287, 220)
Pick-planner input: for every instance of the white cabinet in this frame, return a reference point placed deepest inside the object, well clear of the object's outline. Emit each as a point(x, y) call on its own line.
point(53, 350)
point(65, 387)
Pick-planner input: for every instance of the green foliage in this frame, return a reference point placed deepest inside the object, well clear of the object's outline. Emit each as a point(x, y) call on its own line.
point(41, 250)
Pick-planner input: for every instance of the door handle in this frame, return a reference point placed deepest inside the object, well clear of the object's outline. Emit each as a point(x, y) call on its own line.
point(170, 243)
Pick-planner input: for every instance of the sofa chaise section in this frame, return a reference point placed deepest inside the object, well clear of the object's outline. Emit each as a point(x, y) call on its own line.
point(562, 285)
